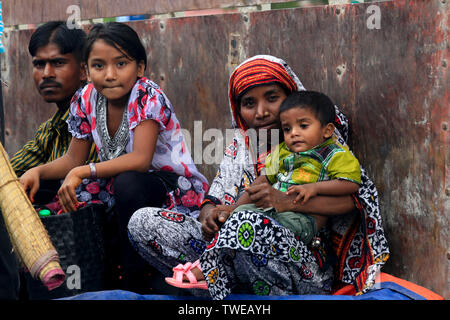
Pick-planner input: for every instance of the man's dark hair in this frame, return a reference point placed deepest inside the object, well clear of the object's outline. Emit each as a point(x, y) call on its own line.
point(118, 35)
point(318, 103)
point(57, 32)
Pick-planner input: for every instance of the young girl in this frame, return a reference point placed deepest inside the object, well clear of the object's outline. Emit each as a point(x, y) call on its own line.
point(137, 136)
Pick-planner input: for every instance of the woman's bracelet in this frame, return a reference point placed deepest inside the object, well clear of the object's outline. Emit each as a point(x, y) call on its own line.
point(206, 202)
point(93, 171)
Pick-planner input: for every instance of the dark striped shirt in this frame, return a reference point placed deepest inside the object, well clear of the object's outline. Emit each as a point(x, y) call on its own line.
point(51, 141)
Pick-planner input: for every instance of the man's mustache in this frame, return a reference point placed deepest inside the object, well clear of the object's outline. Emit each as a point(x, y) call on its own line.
point(49, 83)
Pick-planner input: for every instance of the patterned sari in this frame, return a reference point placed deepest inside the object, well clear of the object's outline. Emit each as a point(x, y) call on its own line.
point(252, 253)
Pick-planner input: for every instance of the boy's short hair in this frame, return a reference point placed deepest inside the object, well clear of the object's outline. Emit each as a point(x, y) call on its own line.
point(318, 103)
point(69, 40)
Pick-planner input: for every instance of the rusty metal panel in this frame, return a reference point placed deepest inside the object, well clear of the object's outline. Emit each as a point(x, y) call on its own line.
point(391, 82)
point(24, 108)
point(37, 11)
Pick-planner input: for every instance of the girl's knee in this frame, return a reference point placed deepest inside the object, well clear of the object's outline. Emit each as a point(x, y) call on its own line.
point(137, 218)
point(125, 180)
point(142, 222)
point(139, 189)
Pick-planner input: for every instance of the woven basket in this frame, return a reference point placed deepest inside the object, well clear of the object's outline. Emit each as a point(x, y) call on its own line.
point(79, 239)
point(28, 235)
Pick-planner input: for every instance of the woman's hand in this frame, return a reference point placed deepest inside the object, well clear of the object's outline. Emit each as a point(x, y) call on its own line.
point(30, 181)
point(67, 196)
point(212, 218)
point(263, 195)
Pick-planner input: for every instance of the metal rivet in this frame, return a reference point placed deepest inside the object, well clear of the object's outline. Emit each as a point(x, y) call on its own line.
point(447, 192)
point(245, 18)
point(162, 77)
point(444, 126)
point(338, 71)
point(7, 132)
point(161, 25)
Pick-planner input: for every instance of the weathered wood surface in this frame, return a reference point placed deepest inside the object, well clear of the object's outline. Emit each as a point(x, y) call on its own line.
point(391, 82)
point(36, 11)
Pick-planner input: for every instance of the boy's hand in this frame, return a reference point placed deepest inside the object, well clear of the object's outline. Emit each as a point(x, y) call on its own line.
point(304, 191)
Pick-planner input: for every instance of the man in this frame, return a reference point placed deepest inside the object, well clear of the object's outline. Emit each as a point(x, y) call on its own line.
point(56, 53)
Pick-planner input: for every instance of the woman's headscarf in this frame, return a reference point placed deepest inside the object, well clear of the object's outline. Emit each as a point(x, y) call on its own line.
point(256, 71)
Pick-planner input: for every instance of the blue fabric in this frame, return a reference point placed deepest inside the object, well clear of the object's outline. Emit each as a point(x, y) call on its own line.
point(2, 48)
point(386, 291)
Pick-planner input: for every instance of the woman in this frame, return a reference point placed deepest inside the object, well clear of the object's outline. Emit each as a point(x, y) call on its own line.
point(250, 253)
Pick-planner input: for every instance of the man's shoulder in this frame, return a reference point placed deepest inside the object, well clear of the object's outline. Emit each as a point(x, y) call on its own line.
point(56, 121)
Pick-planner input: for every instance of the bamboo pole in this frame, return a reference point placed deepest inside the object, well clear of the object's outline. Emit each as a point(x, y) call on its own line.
point(28, 235)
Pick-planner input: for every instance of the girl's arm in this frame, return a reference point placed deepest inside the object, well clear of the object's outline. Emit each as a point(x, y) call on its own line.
point(139, 159)
point(75, 156)
point(57, 169)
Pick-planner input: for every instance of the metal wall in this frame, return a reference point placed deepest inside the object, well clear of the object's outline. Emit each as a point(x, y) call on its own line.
point(36, 11)
point(391, 82)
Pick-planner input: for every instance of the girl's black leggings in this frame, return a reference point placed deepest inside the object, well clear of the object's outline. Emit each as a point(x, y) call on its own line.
point(134, 190)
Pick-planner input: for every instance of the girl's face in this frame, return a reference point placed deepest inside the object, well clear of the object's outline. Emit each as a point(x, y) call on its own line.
point(259, 106)
point(112, 73)
point(302, 130)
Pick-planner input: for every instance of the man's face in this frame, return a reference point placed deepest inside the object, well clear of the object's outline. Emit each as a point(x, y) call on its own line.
point(57, 76)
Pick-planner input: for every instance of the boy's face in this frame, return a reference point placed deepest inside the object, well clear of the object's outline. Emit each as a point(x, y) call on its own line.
point(302, 130)
point(57, 76)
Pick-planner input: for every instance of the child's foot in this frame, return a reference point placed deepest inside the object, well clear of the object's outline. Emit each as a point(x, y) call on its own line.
point(188, 276)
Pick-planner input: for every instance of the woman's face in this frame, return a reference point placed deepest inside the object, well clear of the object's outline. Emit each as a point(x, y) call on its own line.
point(259, 106)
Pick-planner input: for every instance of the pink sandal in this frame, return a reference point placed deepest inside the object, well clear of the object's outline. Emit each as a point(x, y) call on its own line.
point(180, 270)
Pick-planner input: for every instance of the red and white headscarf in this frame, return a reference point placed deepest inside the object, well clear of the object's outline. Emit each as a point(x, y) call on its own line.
point(255, 71)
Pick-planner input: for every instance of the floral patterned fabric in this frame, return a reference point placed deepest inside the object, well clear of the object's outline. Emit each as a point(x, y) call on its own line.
point(254, 254)
point(146, 101)
point(257, 255)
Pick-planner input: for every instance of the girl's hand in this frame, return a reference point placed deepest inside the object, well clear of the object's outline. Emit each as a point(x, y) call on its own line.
point(67, 196)
point(304, 191)
point(30, 181)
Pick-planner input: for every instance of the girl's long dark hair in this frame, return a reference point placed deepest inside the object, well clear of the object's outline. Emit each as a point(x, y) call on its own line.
point(120, 36)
